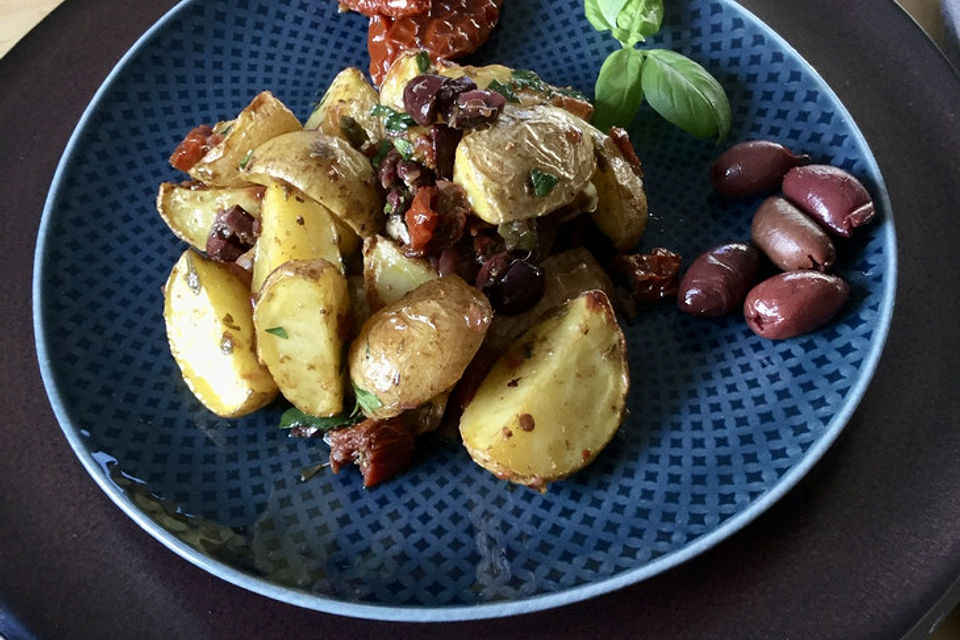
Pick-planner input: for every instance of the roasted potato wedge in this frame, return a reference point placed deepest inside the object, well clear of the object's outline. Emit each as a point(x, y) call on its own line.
point(530, 162)
point(389, 274)
point(209, 325)
point(621, 212)
point(349, 96)
point(302, 318)
point(189, 210)
point(417, 347)
point(325, 168)
point(552, 402)
point(264, 118)
point(293, 227)
point(566, 275)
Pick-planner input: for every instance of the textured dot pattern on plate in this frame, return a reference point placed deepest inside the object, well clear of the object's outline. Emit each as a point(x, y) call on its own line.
point(719, 419)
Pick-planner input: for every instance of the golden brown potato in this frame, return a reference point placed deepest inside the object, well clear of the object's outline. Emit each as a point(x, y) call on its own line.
point(325, 168)
point(532, 161)
point(302, 318)
point(189, 210)
point(264, 118)
point(389, 274)
point(566, 275)
point(349, 96)
point(417, 347)
point(621, 212)
point(293, 227)
point(552, 402)
point(210, 330)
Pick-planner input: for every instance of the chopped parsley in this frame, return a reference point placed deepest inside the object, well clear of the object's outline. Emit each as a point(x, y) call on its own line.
point(246, 159)
point(383, 148)
point(280, 332)
point(543, 182)
point(393, 120)
point(423, 62)
point(404, 147)
point(506, 90)
point(367, 400)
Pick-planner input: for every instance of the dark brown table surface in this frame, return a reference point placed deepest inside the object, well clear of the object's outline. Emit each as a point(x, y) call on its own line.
point(866, 546)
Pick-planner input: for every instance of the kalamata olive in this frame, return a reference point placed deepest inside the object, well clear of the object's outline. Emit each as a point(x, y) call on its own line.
point(831, 196)
point(398, 201)
point(450, 91)
point(790, 238)
point(512, 284)
point(752, 168)
point(233, 233)
point(476, 108)
point(793, 303)
point(420, 97)
point(718, 280)
point(413, 174)
point(443, 145)
point(387, 173)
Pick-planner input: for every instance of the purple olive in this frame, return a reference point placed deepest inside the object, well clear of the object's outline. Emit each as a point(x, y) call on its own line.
point(443, 144)
point(790, 238)
point(420, 97)
point(476, 108)
point(831, 196)
point(233, 233)
point(752, 168)
point(718, 280)
point(793, 303)
point(512, 284)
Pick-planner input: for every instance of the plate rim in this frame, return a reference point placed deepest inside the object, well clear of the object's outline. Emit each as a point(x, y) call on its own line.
point(485, 610)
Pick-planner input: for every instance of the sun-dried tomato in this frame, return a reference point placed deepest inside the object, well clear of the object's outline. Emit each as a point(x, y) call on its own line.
point(380, 448)
point(451, 28)
point(422, 218)
point(395, 8)
point(193, 147)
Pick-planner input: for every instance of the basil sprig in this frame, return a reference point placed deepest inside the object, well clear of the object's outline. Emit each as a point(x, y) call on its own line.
point(676, 87)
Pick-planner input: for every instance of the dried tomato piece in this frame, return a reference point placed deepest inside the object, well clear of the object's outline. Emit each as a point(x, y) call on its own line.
point(394, 8)
point(652, 276)
point(380, 448)
point(422, 218)
point(622, 140)
point(193, 147)
point(451, 28)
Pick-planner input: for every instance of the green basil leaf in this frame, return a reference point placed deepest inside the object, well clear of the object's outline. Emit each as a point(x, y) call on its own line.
point(618, 91)
point(293, 417)
point(602, 14)
point(685, 94)
point(637, 20)
point(543, 182)
point(399, 122)
point(280, 332)
point(366, 400)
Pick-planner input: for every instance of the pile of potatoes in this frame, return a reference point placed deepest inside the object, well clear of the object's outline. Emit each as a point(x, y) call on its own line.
point(333, 315)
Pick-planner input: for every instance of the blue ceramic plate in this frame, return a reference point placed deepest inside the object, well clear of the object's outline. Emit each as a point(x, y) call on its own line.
point(721, 423)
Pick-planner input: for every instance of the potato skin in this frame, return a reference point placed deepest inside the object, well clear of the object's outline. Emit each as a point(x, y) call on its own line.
point(302, 318)
point(264, 118)
point(189, 210)
point(210, 330)
point(348, 95)
point(621, 212)
point(495, 165)
point(554, 400)
point(418, 347)
point(325, 168)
